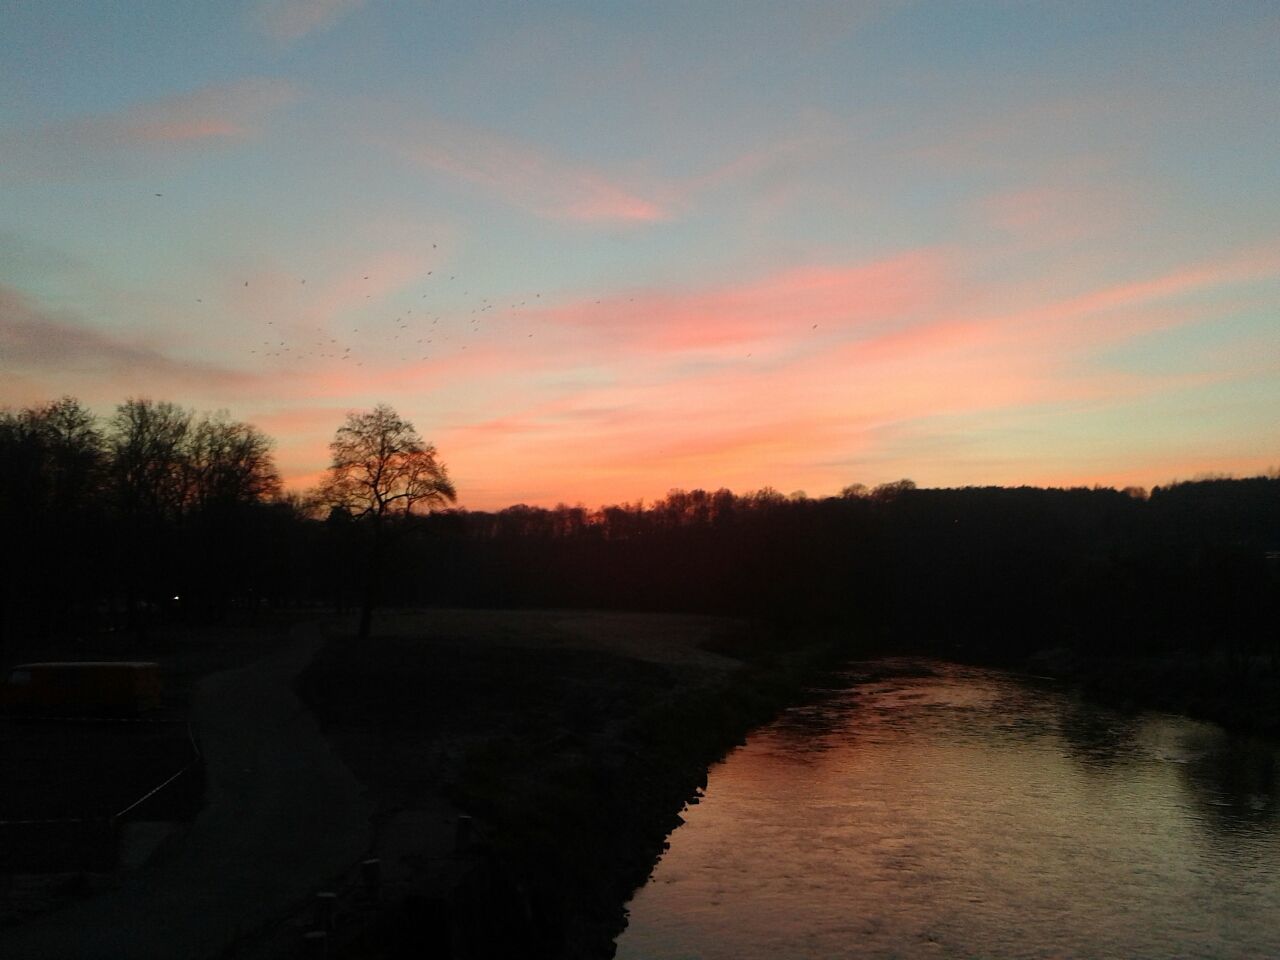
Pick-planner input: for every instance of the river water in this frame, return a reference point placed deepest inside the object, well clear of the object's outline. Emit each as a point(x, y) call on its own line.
point(936, 811)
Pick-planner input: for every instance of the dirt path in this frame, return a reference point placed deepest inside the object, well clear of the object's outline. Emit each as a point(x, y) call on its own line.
point(283, 815)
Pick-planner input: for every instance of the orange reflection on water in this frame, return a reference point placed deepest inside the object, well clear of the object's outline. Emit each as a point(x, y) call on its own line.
point(963, 814)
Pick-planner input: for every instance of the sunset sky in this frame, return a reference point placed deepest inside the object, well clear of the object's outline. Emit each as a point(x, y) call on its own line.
point(595, 251)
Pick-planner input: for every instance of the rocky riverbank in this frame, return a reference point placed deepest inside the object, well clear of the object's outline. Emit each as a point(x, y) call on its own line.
point(573, 739)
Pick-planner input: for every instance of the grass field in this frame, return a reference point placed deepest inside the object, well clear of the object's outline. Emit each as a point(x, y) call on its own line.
point(573, 737)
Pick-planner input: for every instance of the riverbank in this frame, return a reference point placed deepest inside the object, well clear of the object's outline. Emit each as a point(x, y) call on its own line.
point(574, 739)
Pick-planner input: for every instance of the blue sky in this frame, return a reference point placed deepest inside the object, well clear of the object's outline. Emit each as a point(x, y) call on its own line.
point(617, 248)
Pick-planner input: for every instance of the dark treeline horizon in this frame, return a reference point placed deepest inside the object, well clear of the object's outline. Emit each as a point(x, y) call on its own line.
point(164, 516)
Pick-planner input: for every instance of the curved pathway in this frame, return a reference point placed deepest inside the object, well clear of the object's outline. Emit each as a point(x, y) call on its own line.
point(283, 815)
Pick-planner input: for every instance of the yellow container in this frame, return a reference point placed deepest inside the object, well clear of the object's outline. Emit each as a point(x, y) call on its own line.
point(82, 687)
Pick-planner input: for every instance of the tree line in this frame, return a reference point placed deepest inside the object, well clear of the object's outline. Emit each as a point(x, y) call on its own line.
point(989, 571)
point(111, 523)
point(160, 513)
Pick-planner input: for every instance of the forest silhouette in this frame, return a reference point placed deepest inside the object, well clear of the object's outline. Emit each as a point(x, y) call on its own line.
point(159, 515)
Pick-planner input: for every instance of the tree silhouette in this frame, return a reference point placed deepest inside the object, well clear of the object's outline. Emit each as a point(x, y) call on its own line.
point(147, 440)
point(382, 474)
point(51, 462)
point(229, 464)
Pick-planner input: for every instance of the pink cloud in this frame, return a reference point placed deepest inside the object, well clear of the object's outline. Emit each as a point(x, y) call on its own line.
point(903, 356)
point(773, 176)
point(527, 177)
point(1078, 322)
point(233, 110)
point(626, 397)
point(290, 20)
point(738, 427)
point(219, 114)
point(781, 307)
point(1064, 212)
point(44, 344)
point(372, 277)
point(277, 304)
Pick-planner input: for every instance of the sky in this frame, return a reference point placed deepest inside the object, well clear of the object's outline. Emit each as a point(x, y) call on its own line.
point(595, 251)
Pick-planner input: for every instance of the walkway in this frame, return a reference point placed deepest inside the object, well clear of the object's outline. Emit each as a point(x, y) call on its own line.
point(284, 814)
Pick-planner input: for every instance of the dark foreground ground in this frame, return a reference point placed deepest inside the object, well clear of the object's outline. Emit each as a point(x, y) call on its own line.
point(573, 738)
point(88, 767)
point(280, 816)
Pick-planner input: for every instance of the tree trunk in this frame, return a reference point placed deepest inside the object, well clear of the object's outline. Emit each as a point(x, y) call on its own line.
point(372, 570)
point(366, 613)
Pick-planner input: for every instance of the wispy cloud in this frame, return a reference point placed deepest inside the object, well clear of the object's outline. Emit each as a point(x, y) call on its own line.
point(900, 352)
point(213, 115)
point(619, 397)
point(291, 20)
point(1062, 212)
point(366, 278)
point(784, 307)
point(52, 345)
point(526, 176)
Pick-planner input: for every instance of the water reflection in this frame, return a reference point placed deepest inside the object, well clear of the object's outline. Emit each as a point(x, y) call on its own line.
point(932, 810)
point(1098, 738)
point(1233, 781)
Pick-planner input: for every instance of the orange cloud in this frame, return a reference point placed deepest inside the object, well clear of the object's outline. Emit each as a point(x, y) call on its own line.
point(900, 353)
point(727, 384)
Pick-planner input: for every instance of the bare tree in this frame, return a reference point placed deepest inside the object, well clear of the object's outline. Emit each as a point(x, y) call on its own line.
point(382, 471)
point(229, 464)
point(148, 440)
point(51, 463)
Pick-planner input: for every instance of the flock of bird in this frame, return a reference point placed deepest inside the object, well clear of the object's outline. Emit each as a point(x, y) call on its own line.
point(413, 336)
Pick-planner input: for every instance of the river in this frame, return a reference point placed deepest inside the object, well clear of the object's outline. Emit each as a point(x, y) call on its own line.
point(929, 810)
